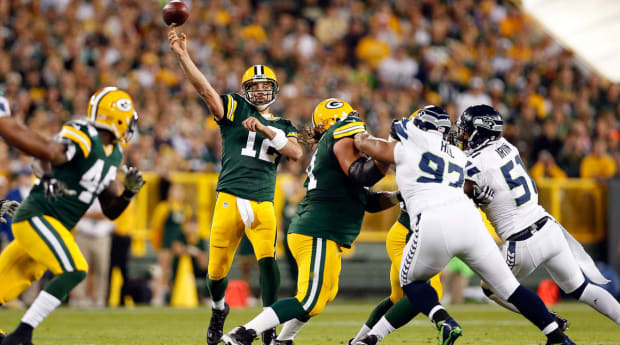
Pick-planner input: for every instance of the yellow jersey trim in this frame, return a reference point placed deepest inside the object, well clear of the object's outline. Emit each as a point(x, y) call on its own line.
point(349, 129)
point(77, 137)
point(231, 107)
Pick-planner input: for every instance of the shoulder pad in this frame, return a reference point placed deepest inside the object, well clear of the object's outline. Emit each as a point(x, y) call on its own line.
point(80, 134)
point(349, 127)
point(232, 100)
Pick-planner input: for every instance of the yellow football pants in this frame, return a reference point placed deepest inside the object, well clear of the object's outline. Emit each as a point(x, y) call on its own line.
point(395, 244)
point(40, 243)
point(319, 263)
point(233, 215)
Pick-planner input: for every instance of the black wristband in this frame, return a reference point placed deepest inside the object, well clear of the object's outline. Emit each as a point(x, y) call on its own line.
point(128, 195)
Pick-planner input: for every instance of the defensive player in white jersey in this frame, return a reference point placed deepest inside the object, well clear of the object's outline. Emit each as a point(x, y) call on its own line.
point(430, 174)
point(531, 236)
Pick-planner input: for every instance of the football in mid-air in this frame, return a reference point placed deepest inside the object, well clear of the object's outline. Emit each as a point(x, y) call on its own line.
point(175, 13)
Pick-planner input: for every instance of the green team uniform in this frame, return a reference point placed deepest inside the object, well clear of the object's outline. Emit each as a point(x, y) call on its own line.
point(334, 205)
point(89, 170)
point(249, 162)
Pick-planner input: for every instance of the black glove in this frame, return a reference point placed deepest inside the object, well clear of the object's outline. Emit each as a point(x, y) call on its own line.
point(393, 133)
point(483, 195)
point(53, 188)
point(133, 181)
point(8, 208)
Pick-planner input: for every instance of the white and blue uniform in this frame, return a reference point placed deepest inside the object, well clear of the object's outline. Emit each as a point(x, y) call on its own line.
point(430, 174)
point(531, 236)
point(5, 110)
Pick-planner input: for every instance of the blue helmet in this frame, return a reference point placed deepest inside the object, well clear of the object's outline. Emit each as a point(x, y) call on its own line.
point(482, 123)
point(432, 118)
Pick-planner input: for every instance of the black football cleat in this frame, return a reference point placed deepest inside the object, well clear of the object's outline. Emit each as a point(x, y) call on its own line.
point(239, 336)
point(565, 341)
point(21, 336)
point(283, 342)
point(269, 336)
point(13, 339)
point(449, 331)
point(2, 335)
point(369, 339)
point(562, 322)
point(216, 325)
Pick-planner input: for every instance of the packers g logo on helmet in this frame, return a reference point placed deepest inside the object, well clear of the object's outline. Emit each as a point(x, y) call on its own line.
point(257, 74)
point(330, 111)
point(112, 109)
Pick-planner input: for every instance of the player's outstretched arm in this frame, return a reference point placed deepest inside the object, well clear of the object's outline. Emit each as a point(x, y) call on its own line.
point(363, 170)
point(289, 147)
point(113, 204)
point(379, 149)
point(178, 44)
point(31, 142)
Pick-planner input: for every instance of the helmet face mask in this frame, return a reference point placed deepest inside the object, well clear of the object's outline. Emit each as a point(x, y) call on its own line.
point(260, 92)
point(478, 125)
point(259, 86)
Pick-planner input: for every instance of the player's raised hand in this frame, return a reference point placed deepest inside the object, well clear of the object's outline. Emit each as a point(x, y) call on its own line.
point(253, 124)
point(178, 43)
point(133, 179)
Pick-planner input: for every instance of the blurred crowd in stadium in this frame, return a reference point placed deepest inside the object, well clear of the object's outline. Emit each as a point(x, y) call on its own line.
point(386, 58)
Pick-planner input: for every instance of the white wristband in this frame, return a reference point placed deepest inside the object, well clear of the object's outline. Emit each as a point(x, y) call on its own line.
point(280, 140)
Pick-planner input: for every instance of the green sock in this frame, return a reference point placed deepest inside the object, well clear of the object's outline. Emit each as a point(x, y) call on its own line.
point(217, 288)
point(269, 280)
point(63, 283)
point(289, 308)
point(401, 313)
point(378, 312)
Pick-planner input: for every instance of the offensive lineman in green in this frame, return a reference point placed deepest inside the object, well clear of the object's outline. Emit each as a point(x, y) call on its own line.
point(253, 141)
point(41, 226)
point(328, 220)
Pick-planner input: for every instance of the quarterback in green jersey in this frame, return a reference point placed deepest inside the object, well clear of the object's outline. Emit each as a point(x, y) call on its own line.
point(42, 225)
point(327, 221)
point(253, 142)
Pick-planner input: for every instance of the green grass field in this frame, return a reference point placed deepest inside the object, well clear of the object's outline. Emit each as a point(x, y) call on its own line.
point(482, 324)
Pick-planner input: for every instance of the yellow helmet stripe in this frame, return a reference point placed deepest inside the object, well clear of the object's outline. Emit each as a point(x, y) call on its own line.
point(95, 102)
point(292, 134)
point(77, 137)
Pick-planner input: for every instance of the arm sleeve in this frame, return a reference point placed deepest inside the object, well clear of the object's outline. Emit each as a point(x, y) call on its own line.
point(474, 173)
point(230, 107)
point(76, 140)
point(349, 128)
point(399, 155)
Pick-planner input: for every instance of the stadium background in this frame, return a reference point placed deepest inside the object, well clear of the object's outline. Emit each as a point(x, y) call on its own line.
point(385, 58)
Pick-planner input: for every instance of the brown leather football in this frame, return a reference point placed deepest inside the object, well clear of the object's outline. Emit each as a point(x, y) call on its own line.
point(175, 13)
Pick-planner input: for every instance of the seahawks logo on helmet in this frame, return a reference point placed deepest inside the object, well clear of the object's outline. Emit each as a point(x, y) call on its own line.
point(432, 118)
point(481, 123)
